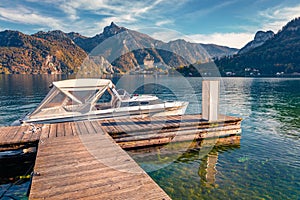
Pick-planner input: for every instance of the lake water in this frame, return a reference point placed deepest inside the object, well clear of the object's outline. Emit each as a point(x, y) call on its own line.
point(263, 163)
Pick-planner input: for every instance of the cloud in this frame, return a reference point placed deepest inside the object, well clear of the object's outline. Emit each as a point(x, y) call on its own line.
point(70, 11)
point(164, 22)
point(209, 10)
point(87, 17)
point(123, 12)
point(27, 16)
point(166, 35)
point(275, 18)
point(119, 11)
point(236, 40)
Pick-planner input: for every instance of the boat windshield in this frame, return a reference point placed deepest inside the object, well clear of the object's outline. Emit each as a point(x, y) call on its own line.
point(64, 101)
point(123, 94)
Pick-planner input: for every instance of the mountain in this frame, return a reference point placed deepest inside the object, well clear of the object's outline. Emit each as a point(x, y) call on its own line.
point(260, 38)
point(127, 49)
point(115, 50)
point(39, 53)
point(89, 43)
point(279, 55)
point(87, 64)
point(219, 51)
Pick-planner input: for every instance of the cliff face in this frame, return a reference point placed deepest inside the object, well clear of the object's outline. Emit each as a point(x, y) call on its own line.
point(260, 38)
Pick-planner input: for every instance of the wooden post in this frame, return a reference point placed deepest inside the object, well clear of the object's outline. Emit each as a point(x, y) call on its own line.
point(210, 99)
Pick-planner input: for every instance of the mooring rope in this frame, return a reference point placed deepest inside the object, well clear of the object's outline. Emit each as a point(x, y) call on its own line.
point(33, 129)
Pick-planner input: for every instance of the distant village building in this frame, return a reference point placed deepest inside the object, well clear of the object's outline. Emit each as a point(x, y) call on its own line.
point(149, 61)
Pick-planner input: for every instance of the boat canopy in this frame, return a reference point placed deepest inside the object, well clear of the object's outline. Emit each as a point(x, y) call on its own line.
point(79, 84)
point(72, 96)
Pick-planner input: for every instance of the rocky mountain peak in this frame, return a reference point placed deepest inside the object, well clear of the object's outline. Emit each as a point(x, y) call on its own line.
point(290, 30)
point(74, 36)
point(292, 25)
point(10, 32)
point(9, 38)
point(112, 29)
point(259, 39)
point(262, 36)
point(56, 34)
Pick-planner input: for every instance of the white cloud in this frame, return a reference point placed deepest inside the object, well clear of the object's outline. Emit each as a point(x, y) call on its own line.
point(275, 18)
point(124, 11)
point(82, 15)
point(207, 11)
point(26, 16)
point(236, 40)
point(164, 22)
point(164, 34)
point(70, 11)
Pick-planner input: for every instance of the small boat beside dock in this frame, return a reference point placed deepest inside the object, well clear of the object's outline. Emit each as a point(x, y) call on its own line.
point(86, 99)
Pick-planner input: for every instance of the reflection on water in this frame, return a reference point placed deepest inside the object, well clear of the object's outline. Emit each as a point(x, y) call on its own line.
point(263, 164)
point(208, 171)
point(199, 159)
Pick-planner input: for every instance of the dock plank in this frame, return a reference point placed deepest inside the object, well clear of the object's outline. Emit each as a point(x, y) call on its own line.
point(78, 178)
point(75, 129)
point(53, 130)
point(13, 133)
point(45, 131)
point(89, 127)
point(60, 130)
point(26, 136)
point(97, 127)
point(68, 129)
point(18, 137)
point(3, 132)
point(81, 127)
point(8, 132)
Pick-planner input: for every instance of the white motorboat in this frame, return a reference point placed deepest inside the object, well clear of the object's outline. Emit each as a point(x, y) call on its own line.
point(88, 99)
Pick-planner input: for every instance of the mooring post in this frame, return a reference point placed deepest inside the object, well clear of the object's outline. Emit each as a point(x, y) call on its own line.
point(210, 99)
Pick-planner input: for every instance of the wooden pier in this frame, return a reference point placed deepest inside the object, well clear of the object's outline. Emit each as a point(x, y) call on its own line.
point(90, 166)
point(85, 159)
point(141, 132)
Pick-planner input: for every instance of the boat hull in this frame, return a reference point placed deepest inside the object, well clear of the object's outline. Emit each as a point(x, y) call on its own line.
point(173, 108)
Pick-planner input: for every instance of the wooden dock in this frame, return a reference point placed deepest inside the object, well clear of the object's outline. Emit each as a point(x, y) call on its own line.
point(141, 132)
point(129, 132)
point(89, 166)
point(85, 159)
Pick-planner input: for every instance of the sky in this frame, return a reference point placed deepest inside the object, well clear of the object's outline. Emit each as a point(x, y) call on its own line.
point(230, 23)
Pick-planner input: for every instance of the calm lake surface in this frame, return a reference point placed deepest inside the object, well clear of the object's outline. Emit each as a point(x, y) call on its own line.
point(263, 163)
